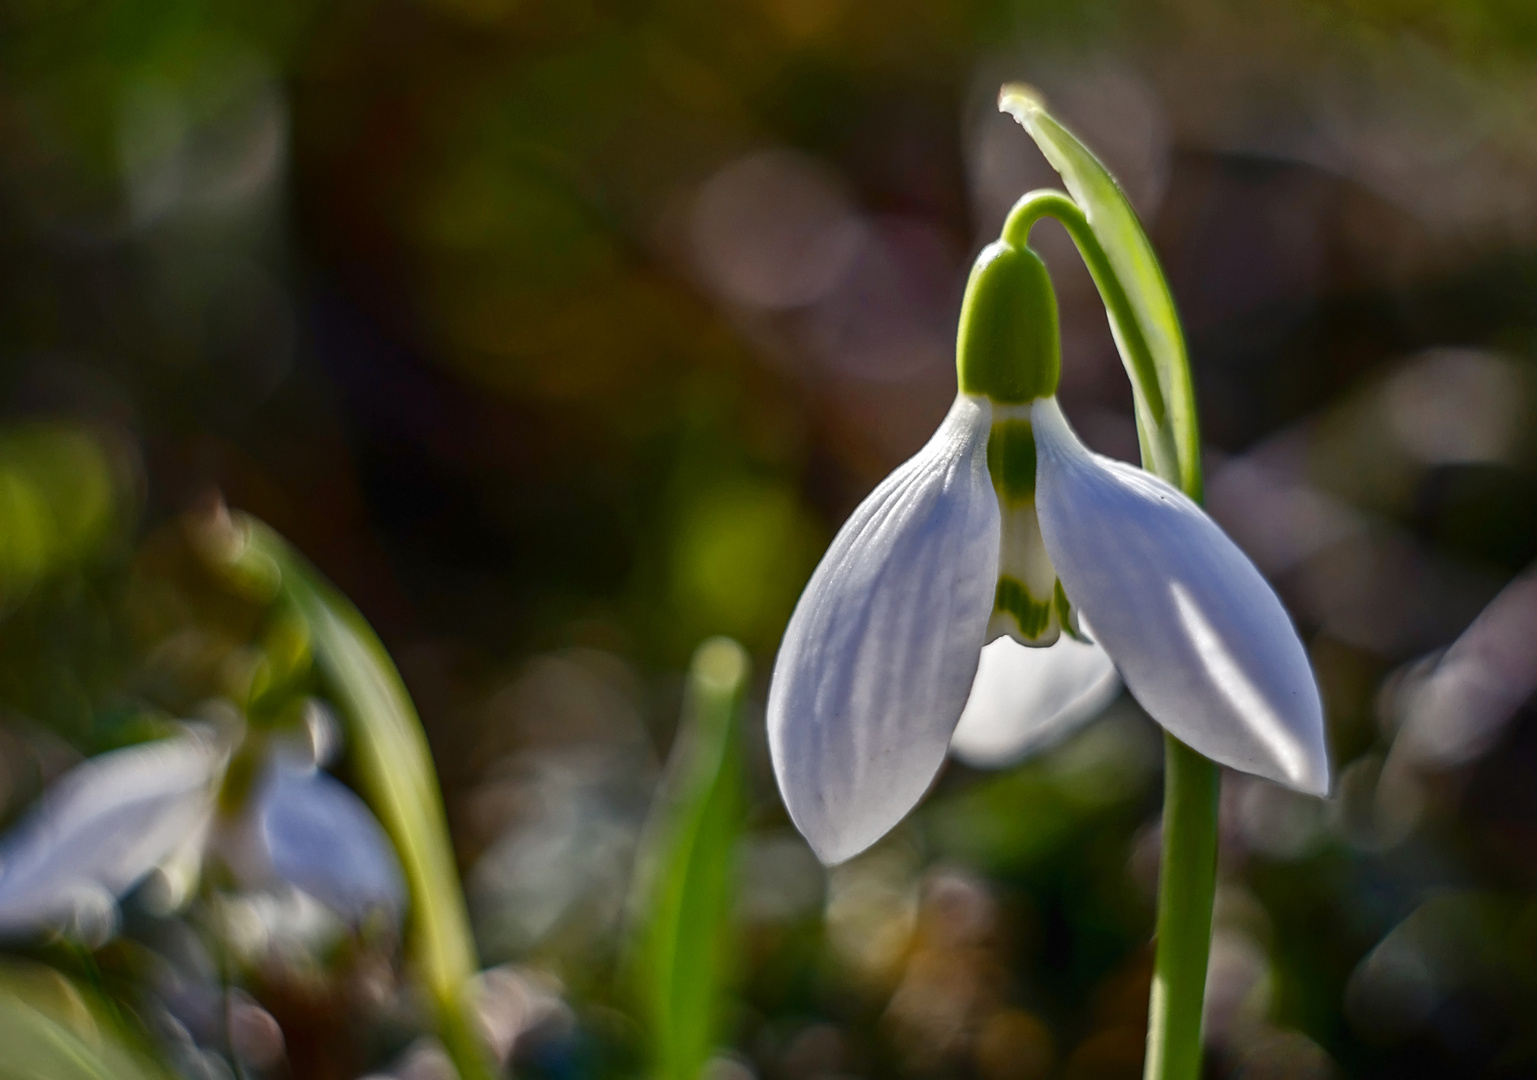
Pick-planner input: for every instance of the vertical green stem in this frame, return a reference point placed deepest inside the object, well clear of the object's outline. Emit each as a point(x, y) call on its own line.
point(1187, 881)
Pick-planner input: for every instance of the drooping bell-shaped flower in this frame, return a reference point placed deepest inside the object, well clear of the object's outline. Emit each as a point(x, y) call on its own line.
point(1005, 525)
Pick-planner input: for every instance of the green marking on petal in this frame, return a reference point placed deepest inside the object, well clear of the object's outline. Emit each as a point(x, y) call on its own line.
point(1013, 598)
point(1011, 460)
point(1026, 604)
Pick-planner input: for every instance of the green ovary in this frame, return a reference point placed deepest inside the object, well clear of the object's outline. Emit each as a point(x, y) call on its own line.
point(1008, 348)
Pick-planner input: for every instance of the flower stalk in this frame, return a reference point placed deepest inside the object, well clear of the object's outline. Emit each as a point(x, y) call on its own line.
point(1187, 873)
point(1187, 883)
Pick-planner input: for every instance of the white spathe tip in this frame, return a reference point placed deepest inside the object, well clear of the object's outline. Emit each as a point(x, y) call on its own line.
point(1197, 633)
point(1019, 100)
point(880, 653)
point(1025, 700)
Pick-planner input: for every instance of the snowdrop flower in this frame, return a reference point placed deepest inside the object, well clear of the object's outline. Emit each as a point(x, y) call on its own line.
point(104, 826)
point(1005, 525)
point(100, 829)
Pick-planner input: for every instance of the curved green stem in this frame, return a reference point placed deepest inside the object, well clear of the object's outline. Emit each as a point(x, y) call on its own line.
point(1154, 423)
point(1192, 784)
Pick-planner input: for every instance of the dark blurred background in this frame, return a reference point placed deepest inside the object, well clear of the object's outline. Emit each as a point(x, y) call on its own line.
point(561, 334)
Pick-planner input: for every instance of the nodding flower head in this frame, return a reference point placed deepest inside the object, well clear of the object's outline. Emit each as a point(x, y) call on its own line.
point(1005, 525)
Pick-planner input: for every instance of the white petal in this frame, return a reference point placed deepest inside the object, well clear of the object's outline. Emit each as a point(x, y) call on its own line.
point(880, 653)
point(320, 837)
point(1199, 636)
point(102, 827)
point(1026, 699)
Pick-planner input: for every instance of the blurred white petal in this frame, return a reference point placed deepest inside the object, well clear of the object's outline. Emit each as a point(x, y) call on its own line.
point(1026, 699)
point(1457, 711)
point(880, 653)
point(101, 828)
point(1199, 636)
point(318, 836)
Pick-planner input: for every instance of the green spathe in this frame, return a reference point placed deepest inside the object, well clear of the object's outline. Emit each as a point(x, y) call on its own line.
point(1008, 349)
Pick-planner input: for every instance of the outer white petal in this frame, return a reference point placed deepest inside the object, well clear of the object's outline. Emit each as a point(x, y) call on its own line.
point(320, 837)
point(101, 828)
point(1199, 636)
point(1026, 699)
point(880, 653)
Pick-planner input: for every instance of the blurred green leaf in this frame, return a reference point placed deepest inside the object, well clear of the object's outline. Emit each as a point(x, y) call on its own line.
point(741, 553)
point(1146, 327)
point(1030, 814)
point(59, 499)
point(687, 869)
point(394, 766)
point(49, 1031)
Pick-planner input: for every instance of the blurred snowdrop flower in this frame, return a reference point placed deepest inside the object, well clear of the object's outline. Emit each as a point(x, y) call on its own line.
point(310, 831)
point(101, 829)
point(1004, 524)
point(1456, 705)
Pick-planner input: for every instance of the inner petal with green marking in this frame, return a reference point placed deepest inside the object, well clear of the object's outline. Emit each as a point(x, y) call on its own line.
point(1029, 604)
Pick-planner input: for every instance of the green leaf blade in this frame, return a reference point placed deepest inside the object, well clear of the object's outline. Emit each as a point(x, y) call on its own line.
point(49, 1029)
point(687, 870)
